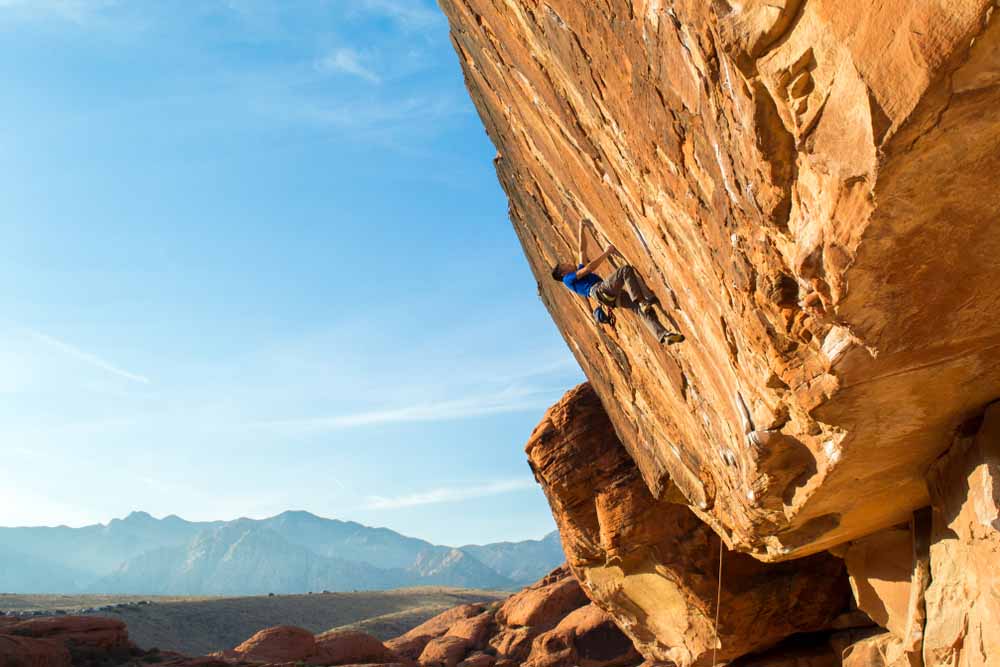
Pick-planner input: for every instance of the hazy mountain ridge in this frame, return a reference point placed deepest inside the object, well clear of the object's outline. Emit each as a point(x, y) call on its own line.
point(293, 552)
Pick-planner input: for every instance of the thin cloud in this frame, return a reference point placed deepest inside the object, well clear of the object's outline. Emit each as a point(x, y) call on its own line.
point(409, 14)
point(88, 358)
point(508, 401)
point(377, 114)
point(348, 61)
point(448, 494)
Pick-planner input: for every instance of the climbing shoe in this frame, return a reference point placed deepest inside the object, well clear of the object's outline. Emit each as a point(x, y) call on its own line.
point(672, 338)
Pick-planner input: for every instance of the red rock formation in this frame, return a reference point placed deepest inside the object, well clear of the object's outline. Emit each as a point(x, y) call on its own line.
point(290, 644)
point(345, 647)
point(60, 641)
point(548, 624)
point(587, 637)
point(92, 633)
point(446, 651)
point(808, 187)
point(413, 643)
point(653, 564)
point(27, 652)
point(284, 643)
point(544, 604)
point(475, 630)
point(538, 608)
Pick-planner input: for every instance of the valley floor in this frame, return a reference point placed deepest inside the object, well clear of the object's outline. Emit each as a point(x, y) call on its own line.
point(201, 625)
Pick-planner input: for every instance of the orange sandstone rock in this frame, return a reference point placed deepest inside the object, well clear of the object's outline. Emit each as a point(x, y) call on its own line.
point(809, 189)
point(653, 565)
point(82, 633)
point(963, 600)
point(284, 643)
point(587, 637)
point(411, 644)
point(446, 651)
point(344, 647)
point(880, 568)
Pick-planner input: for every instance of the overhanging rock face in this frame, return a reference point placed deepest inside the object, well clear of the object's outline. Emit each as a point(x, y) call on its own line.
point(754, 160)
point(654, 566)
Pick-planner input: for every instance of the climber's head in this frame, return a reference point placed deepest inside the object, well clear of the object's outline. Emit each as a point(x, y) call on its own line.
point(559, 271)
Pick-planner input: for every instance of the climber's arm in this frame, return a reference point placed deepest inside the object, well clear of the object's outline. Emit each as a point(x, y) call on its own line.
point(593, 266)
point(581, 255)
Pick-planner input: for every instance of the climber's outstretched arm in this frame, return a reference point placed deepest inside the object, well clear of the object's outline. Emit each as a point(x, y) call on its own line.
point(581, 254)
point(593, 266)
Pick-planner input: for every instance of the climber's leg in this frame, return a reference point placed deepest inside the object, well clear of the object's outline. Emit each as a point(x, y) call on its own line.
point(635, 286)
point(623, 288)
point(663, 335)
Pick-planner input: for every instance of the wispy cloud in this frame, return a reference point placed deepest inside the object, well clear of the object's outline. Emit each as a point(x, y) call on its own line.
point(448, 494)
point(409, 14)
point(374, 115)
point(348, 61)
point(87, 358)
point(504, 402)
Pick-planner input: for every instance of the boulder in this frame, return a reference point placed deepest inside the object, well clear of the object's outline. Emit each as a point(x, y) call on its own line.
point(28, 652)
point(544, 604)
point(538, 608)
point(284, 643)
point(344, 647)
point(808, 188)
point(445, 651)
point(410, 645)
point(478, 660)
point(513, 644)
point(654, 565)
point(963, 600)
point(587, 637)
point(475, 630)
point(90, 637)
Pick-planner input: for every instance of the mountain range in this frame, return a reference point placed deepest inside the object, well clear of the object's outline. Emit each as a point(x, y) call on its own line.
point(293, 552)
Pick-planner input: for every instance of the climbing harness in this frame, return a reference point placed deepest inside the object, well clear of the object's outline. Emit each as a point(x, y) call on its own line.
point(604, 298)
point(718, 604)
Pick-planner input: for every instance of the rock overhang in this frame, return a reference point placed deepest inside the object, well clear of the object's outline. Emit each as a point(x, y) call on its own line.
point(806, 187)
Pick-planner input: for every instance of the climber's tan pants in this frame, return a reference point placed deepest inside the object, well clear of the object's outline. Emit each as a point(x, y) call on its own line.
point(625, 289)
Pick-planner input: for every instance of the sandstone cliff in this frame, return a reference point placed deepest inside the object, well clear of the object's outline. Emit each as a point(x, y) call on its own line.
point(684, 599)
point(808, 187)
point(653, 564)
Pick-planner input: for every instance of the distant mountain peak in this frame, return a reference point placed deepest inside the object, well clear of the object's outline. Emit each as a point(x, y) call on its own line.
point(293, 552)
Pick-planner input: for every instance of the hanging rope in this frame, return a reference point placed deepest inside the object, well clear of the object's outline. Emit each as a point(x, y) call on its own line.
point(718, 605)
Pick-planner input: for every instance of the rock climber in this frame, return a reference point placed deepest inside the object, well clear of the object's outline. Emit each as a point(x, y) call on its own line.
point(622, 289)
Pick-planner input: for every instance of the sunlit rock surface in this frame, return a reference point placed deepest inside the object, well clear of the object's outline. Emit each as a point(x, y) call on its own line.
point(808, 186)
point(654, 565)
point(963, 600)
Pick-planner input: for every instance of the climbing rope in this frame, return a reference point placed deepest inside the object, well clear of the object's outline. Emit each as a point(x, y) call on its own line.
point(718, 605)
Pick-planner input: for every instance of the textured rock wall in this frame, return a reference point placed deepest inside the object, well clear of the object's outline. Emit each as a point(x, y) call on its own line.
point(963, 600)
point(808, 186)
point(654, 565)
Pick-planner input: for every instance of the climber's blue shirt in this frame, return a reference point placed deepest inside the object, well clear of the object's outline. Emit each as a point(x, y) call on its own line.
point(583, 285)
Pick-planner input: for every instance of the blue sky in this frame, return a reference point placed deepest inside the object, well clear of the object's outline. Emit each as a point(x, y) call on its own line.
point(255, 258)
